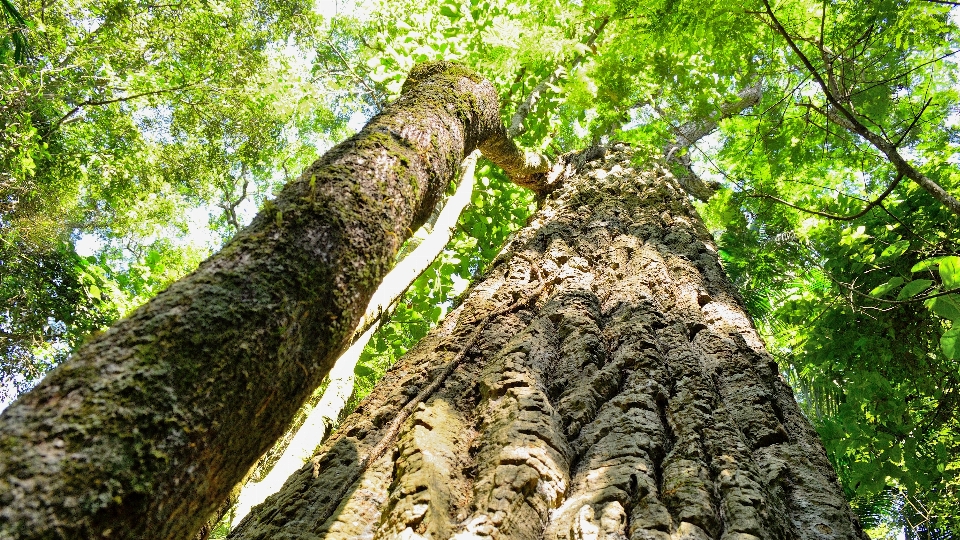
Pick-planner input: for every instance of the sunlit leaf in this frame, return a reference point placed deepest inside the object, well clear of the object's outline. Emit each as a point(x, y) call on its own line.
point(896, 249)
point(449, 11)
point(947, 306)
point(950, 343)
point(913, 288)
point(890, 285)
point(927, 264)
point(950, 272)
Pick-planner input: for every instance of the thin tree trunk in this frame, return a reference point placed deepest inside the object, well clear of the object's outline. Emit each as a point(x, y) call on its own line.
point(148, 426)
point(616, 389)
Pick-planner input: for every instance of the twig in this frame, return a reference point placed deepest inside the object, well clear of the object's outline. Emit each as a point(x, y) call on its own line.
point(854, 290)
point(913, 123)
point(905, 73)
point(96, 103)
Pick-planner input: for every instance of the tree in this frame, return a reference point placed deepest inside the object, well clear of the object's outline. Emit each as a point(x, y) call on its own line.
point(287, 291)
point(814, 225)
point(324, 416)
point(602, 380)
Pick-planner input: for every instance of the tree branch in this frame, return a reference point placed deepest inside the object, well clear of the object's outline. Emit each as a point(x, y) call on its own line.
point(837, 217)
point(516, 122)
point(361, 80)
point(230, 207)
point(847, 119)
point(97, 103)
point(689, 133)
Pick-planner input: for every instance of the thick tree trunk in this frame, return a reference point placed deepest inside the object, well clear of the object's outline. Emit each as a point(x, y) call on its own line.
point(149, 425)
point(618, 391)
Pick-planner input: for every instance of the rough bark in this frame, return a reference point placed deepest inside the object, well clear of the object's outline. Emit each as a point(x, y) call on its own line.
point(148, 426)
point(631, 397)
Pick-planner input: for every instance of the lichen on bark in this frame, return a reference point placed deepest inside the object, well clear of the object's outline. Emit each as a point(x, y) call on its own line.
point(632, 399)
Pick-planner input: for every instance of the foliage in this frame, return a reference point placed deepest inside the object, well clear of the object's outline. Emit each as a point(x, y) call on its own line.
point(51, 292)
point(14, 45)
point(125, 123)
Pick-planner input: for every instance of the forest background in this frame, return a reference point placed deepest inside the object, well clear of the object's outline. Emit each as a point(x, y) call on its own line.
point(136, 138)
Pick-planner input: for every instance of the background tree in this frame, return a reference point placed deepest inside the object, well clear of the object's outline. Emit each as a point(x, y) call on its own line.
point(126, 122)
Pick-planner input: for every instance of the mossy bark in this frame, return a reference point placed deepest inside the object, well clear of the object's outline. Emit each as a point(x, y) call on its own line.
point(632, 399)
point(149, 425)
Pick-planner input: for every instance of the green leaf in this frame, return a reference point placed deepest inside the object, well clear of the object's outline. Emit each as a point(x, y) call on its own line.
point(927, 263)
point(363, 371)
point(950, 272)
point(449, 11)
point(887, 287)
point(896, 249)
point(947, 306)
point(913, 288)
point(950, 343)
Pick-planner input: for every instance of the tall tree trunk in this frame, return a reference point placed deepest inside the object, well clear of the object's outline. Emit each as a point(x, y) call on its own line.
point(616, 389)
point(144, 431)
